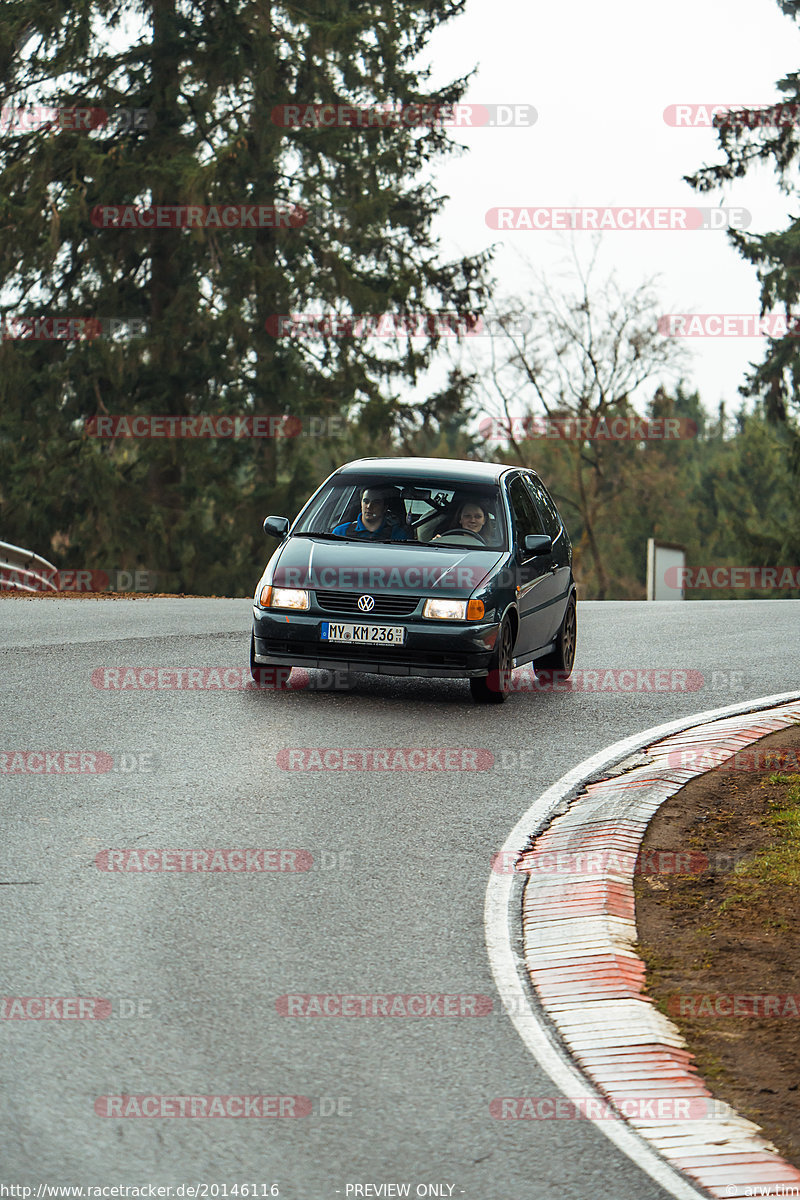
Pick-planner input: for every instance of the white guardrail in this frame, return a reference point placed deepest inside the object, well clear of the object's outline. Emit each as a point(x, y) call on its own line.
point(23, 571)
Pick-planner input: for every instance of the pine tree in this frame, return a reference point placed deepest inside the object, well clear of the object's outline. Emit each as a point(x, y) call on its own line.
point(748, 137)
point(194, 94)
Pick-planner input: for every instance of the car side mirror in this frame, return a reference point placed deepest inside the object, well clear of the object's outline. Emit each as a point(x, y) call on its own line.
point(276, 526)
point(537, 543)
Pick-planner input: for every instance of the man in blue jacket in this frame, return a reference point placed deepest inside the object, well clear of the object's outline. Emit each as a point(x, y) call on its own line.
point(374, 524)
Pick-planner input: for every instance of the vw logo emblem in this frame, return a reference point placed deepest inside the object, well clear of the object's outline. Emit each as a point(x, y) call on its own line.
point(366, 603)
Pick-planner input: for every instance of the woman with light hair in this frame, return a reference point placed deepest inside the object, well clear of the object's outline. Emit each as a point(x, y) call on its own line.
point(471, 516)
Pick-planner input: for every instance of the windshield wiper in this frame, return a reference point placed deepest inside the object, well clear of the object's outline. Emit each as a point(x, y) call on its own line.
point(336, 537)
point(354, 537)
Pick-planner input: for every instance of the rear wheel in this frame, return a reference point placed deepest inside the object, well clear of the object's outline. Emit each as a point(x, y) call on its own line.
point(270, 678)
point(494, 687)
point(563, 657)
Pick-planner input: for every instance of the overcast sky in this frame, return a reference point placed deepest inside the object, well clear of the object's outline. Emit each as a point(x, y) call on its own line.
point(600, 76)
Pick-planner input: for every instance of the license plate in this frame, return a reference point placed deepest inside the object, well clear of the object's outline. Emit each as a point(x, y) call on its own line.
point(375, 635)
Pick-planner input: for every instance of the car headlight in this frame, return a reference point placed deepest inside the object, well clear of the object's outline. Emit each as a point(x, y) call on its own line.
point(277, 597)
point(454, 610)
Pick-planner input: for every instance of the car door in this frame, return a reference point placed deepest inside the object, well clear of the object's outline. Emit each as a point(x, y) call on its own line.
point(559, 562)
point(535, 586)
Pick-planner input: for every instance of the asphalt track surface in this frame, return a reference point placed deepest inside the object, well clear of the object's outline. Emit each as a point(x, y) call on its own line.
point(392, 904)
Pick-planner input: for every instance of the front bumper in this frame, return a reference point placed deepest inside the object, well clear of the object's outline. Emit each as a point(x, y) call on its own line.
point(432, 648)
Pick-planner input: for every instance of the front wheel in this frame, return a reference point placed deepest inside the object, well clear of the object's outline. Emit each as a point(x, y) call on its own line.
point(494, 687)
point(563, 657)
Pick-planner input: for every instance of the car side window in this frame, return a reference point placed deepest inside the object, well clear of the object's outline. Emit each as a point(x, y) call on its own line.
point(548, 513)
point(526, 518)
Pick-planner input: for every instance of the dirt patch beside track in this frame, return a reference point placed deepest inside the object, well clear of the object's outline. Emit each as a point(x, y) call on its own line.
point(722, 946)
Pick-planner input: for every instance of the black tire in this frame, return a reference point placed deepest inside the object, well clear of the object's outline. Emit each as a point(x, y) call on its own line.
point(494, 687)
point(562, 658)
point(271, 679)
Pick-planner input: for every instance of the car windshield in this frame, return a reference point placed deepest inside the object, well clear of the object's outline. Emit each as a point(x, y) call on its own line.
point(438, 512)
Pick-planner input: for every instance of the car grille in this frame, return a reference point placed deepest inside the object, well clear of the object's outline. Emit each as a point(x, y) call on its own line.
point(385, 606)
point(352, 652)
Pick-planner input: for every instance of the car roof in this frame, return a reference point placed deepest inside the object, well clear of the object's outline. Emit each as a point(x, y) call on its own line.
point(456, 469)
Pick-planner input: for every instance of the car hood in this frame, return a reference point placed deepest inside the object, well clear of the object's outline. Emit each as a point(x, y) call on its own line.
point(396, 568)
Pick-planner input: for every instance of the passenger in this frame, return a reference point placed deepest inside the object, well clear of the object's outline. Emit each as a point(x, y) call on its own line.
point(472, 516)
point(375, 524)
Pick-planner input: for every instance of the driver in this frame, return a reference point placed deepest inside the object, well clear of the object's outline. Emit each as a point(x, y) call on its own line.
point(374, 524)
point(470, 516)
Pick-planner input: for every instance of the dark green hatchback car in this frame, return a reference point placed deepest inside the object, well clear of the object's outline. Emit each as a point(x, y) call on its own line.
point(420, 566)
